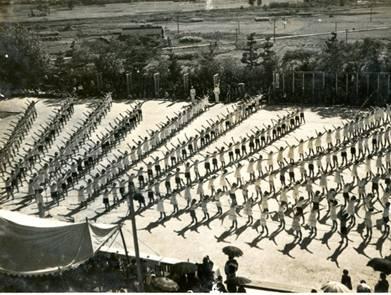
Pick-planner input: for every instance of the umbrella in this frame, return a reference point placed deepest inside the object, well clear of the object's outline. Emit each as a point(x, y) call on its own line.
point(232, 251)
point(334, 287)
point(184, 267)
point(239, 281)
point(165, 284)
point(380, 264)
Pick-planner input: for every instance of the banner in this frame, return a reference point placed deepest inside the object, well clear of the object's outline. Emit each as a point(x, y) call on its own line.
point(35, 246)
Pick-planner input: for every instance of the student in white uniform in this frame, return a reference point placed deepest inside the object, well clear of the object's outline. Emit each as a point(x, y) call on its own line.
point(312, 222)
point(248, 210)
point(160, 208)
point(174, 202)
point(368, 222)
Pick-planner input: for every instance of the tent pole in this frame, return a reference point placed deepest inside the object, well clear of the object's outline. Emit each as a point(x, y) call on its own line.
point(126, 251)
point(135, 241)
point(124, 244)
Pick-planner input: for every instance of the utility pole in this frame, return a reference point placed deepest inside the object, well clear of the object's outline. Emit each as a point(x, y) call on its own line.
point(238, 25)
point(336, 27)
point(274, 29)
point(140, 278)
point(370, 13)
point(346, 35)
point(177, 24)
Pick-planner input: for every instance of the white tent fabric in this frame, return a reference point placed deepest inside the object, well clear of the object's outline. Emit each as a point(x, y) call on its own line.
point(35, 246)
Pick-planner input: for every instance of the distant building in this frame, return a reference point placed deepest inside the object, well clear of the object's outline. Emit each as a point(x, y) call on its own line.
point(143, 30)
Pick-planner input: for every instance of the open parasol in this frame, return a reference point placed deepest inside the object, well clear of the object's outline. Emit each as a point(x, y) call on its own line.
point(380, 264)
point(334, 287)
point(184, 268)
point(232, 251)
point(165, 284)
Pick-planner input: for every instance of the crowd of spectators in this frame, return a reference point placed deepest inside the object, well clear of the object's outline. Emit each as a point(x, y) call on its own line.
point(381, 286)
point(102, 273)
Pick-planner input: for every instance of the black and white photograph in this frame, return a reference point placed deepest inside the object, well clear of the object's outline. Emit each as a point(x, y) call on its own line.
point(195, 146)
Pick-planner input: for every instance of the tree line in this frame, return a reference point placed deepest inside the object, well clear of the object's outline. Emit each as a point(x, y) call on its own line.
point(128, 67)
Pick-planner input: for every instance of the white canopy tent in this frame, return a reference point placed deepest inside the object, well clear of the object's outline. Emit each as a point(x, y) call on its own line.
point(33, 246)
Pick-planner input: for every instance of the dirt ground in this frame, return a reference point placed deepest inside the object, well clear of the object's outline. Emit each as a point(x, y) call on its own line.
point(302, 266)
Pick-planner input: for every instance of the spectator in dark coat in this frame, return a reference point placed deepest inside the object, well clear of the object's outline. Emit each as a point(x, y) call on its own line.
point(346, 280)
point(382, 285)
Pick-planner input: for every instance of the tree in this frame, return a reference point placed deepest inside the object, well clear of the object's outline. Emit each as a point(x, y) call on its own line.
point(23, 64)
point(263, 56)
point(250, 56)
point(71, 4)
point(299, 59)
point(331, 56)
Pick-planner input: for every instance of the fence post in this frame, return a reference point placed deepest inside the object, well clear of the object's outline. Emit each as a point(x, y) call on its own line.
point(347, 84)
point(156, 84)
point(293, 82)
point(378, 85)
point(357, 79)
point(127, 84)
point(99, 81)
point(274, 82)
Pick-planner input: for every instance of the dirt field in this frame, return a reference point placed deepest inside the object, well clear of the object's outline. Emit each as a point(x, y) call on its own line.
point(303, 266)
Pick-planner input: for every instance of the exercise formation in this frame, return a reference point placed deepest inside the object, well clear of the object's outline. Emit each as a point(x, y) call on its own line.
point(213, 172)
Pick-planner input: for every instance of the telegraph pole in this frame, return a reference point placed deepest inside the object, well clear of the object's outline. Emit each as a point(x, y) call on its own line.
point(238, 25)
point(177, 24)
point(370, 13)
point(274, 29)
point(346, 35)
